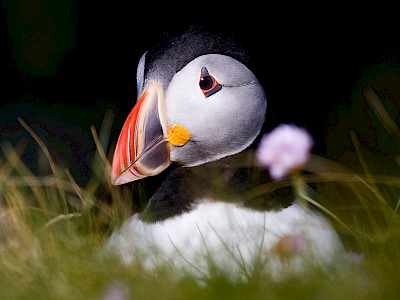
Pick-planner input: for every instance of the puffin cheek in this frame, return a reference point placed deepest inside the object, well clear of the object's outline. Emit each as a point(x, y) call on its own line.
point(250, 113)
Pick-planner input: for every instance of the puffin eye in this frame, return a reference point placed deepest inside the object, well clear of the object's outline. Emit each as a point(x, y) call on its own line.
point(208, 84)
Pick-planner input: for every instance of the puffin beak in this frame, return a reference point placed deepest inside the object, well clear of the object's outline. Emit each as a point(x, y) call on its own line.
point(142, 148)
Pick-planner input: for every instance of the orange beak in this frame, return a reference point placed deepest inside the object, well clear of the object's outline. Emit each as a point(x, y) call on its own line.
point(142, 148)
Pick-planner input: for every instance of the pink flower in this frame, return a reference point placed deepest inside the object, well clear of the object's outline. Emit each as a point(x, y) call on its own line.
point(284, 149)
point(290, 245)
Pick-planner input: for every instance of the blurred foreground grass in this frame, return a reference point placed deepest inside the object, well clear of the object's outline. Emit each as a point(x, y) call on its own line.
point(52, 233)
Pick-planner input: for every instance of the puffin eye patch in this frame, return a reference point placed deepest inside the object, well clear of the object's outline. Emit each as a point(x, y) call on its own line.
point(208, 84)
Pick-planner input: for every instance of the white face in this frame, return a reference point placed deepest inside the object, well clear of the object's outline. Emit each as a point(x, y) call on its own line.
point(222, 124)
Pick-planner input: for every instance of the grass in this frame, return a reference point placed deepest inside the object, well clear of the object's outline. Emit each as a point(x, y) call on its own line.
point(52, 234)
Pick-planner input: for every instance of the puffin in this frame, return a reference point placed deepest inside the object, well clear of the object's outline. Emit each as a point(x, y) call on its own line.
point(199, 113)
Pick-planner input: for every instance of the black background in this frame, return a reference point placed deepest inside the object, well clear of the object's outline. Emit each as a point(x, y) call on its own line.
point(307, 58)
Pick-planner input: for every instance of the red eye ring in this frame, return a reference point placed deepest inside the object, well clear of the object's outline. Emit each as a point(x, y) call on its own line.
point(208, 84)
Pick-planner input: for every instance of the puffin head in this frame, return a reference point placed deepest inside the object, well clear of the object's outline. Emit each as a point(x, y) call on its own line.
point(197, 103)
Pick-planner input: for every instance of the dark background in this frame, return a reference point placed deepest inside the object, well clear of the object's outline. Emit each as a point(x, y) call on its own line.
point(64, 63)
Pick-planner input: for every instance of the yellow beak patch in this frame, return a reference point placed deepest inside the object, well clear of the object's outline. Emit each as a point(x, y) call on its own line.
point(178, 135)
